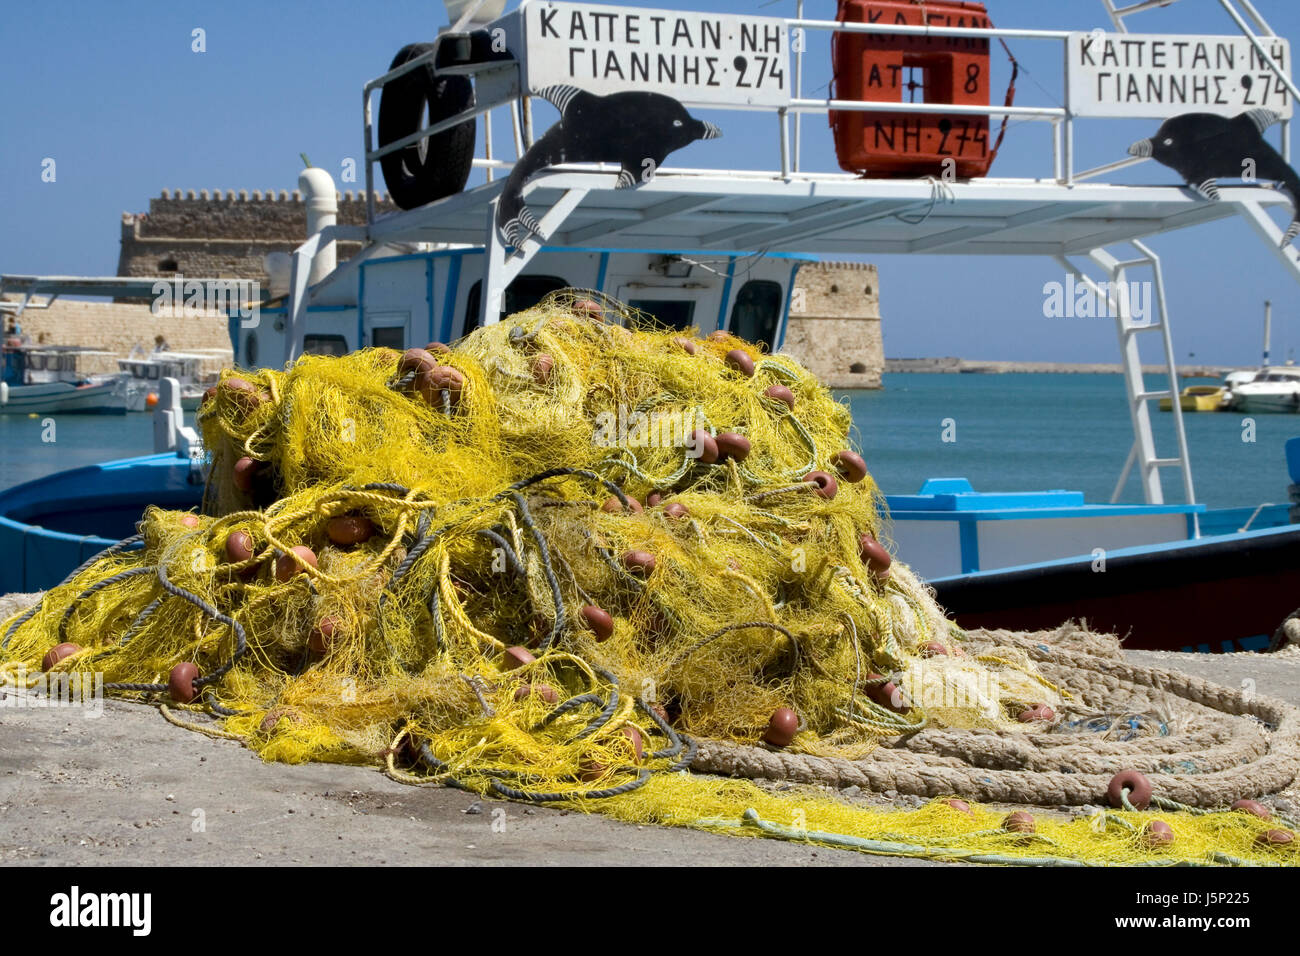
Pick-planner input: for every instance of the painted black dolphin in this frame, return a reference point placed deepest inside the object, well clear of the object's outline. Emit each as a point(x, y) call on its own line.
point(1203, 147)
point(635, 130)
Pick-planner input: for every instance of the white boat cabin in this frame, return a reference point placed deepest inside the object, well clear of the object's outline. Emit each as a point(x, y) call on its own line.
point(403, 300)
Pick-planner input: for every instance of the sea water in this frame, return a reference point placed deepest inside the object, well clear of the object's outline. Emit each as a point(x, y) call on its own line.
point(1031, 432)
point(1014, 432)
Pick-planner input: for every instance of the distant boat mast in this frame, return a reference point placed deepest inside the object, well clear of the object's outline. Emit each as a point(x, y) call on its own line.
point(1268, 327)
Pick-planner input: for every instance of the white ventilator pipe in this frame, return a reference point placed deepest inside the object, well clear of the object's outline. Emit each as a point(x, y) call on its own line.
point(317, 187)
point(472, 13)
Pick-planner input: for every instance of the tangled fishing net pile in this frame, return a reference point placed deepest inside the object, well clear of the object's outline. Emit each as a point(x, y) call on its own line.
point(566, 561)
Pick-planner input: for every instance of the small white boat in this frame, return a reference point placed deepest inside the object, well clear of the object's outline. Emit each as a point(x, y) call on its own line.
point(44, 381)
point(52, 398)
point(1270, 390)
point(145, 373)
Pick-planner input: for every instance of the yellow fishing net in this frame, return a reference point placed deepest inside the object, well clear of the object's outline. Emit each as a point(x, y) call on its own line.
point(539, 565)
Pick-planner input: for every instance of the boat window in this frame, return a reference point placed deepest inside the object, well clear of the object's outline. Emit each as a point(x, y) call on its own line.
point(757, 312)
point(250, 349)
point(388, 337)
point(667, 313)
point(524, 293)
point(324, 345)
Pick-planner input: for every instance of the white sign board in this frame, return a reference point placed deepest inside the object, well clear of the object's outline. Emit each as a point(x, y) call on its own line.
point(696, 58)
point(1162, 75)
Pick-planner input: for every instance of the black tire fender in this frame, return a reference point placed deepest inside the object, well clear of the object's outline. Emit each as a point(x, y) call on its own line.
point(438, 166)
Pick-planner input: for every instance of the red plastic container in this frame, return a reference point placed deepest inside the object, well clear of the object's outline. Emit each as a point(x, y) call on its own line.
point(911, 69)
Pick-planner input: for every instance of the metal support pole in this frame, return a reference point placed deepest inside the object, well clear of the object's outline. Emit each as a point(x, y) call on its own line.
point(528, 122)
point(516, 109)
point(783, 119)
point(1067, 137)
point(1268, 230)
point(1124, 473)
point(1058, 170)
point(297, 325)
point(369, 145)
point(1116, 20)
point(1260, 22)
point(798, 86)
point(1267, 60)
point(494, 271)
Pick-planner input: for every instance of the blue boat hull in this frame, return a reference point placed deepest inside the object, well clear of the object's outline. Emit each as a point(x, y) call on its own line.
point(51, 525)
point(1223, 593)
point(1218, 593)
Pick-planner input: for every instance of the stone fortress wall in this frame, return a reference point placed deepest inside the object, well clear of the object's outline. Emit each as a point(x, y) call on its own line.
point(834, 325)
point(224, 235)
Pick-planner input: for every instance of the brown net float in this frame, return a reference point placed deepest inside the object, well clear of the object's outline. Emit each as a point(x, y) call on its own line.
point(349, 529)
point(180, 682)
point(1130, 786)
point(782, 727)
point(740, 361)
point(731, 445)
point(850, 465)
point(782, 394)
point(1156, 834)
point(826, 485)
point(57, 653)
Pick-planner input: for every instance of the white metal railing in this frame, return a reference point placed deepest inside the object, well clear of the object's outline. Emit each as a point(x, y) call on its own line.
point(1061, 118)
point(1117, 14)
point(791, 151)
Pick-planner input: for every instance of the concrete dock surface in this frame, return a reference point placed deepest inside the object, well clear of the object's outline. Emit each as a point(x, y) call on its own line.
point(129, 788)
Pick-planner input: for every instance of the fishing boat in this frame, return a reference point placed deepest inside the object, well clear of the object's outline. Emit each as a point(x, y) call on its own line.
point(1198, 398)
point(47, 380)
point(719, 249)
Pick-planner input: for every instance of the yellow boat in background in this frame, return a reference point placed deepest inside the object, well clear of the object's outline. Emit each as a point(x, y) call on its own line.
point(1197, 398)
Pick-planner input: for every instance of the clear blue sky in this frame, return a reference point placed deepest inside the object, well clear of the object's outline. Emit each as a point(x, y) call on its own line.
point(113, 92)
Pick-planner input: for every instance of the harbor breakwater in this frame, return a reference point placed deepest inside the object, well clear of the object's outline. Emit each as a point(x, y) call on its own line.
point(980, 366)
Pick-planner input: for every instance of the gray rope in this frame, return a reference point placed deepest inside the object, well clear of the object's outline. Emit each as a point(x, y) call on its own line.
point(140, 620)
point(605, 715)
point(557, 626)
point(97, 586)
point(506, 549)
point(642, 777)
point(241, 639)
point(571, 704)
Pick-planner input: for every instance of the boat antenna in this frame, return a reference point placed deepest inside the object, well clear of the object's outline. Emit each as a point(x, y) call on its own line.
point(1268, 327)
point(305, 161)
